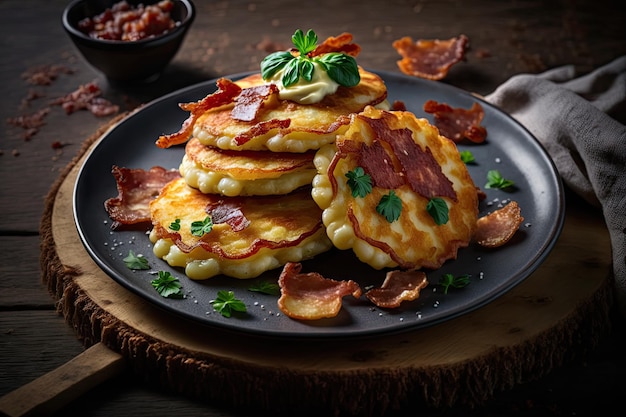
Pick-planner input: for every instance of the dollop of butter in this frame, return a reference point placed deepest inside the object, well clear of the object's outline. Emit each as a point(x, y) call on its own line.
point(306, 92)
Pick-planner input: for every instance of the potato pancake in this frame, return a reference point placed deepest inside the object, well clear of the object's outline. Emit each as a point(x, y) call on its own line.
point(407, 159)
point(287, 126)
point(240, 237)
point(243, 173)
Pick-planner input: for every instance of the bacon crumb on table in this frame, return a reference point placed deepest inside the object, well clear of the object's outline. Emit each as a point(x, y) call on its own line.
point(430, 59)
point(87, 97)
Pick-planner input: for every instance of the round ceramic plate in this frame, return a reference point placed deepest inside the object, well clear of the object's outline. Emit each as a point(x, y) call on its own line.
point(509, 148)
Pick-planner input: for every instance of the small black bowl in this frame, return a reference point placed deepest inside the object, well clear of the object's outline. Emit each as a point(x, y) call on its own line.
point(125, 61)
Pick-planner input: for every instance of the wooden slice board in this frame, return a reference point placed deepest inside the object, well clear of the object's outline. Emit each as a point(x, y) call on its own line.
point(559, 312)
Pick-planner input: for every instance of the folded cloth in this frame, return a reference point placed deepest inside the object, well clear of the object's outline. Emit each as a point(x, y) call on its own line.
point(581, 123)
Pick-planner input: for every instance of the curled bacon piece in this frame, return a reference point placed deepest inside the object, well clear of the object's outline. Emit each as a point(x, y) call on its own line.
point(228, 212)
point(340, 43)
point(251, 100)
point(226, 93)
point(457, 123)
point(430, 59)
point(497, 228)
point(398, 286)
point(136, 188)
point(310, 296)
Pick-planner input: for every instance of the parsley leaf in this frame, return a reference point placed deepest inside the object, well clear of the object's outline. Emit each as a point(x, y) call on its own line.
point(449, 280)
point(390, 206)
point(133, 261)
point(266, 287)
point(359, 182)
point(226, 303)
point(495, 180)
point(467, 157)
point(438, 210)
point(167, 285)
point(175, 225)
point(341, 68)
point(201, 227)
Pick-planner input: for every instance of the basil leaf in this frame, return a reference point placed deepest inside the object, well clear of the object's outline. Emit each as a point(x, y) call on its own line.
point(306, 69)
point(341, 68)
point(291, 73)
point(305, 44)
point(274, 62)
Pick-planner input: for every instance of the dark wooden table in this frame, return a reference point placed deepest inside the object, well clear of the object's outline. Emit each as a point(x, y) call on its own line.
point(507, 37)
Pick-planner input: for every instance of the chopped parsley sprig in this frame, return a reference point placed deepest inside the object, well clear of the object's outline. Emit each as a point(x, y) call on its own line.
point(133, 261)
point(167, 285)
point(390, 206)
point(449, 280)
point(359, 182)
point(438, 210)
point(201, 227)
point(265, 287)
point(340, 67)
point(226, 304)
point(496, 180)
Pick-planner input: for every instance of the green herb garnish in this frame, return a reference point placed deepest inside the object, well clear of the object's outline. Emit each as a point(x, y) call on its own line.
point(201, 227)
point(467, 157)
point(449, 280)
point(341, 68)
point(359, 182)
point(175, 225)
point(133, 261)
point(495, 180)
point(167, 285)
point(390, 206)
point(226, 303)
point(438, 210)
point(265, 287)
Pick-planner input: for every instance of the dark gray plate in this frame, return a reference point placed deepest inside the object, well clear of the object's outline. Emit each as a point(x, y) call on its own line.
point(509, 148)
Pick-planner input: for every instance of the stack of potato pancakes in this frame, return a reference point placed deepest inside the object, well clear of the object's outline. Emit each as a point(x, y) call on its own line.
point(266, 180)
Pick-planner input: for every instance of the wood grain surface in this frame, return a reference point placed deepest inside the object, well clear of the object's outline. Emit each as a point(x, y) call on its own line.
point(229, 36)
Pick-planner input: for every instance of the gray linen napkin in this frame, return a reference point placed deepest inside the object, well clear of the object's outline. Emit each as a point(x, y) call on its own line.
point(581, 123)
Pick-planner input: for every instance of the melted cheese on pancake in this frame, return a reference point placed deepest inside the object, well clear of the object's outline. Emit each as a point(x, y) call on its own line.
point(280, 229)
point(415, 239)
point(311, 125)
point(242, 173)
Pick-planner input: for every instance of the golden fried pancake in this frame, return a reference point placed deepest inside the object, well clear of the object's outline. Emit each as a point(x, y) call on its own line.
point(242, 173)
point(287, 126)
point(249, 235)
point(406, 155)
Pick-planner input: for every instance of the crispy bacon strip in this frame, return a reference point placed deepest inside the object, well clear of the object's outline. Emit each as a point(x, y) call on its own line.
point(457, 123)
point(251, 100)
point(398, 286)
point(226, 93)
point(228, 212)
point(430, 59)
point(416, 167)
point(498, 227)
point(341, 43)
point(261, 128)
point(136, 188)
point(310, 296)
